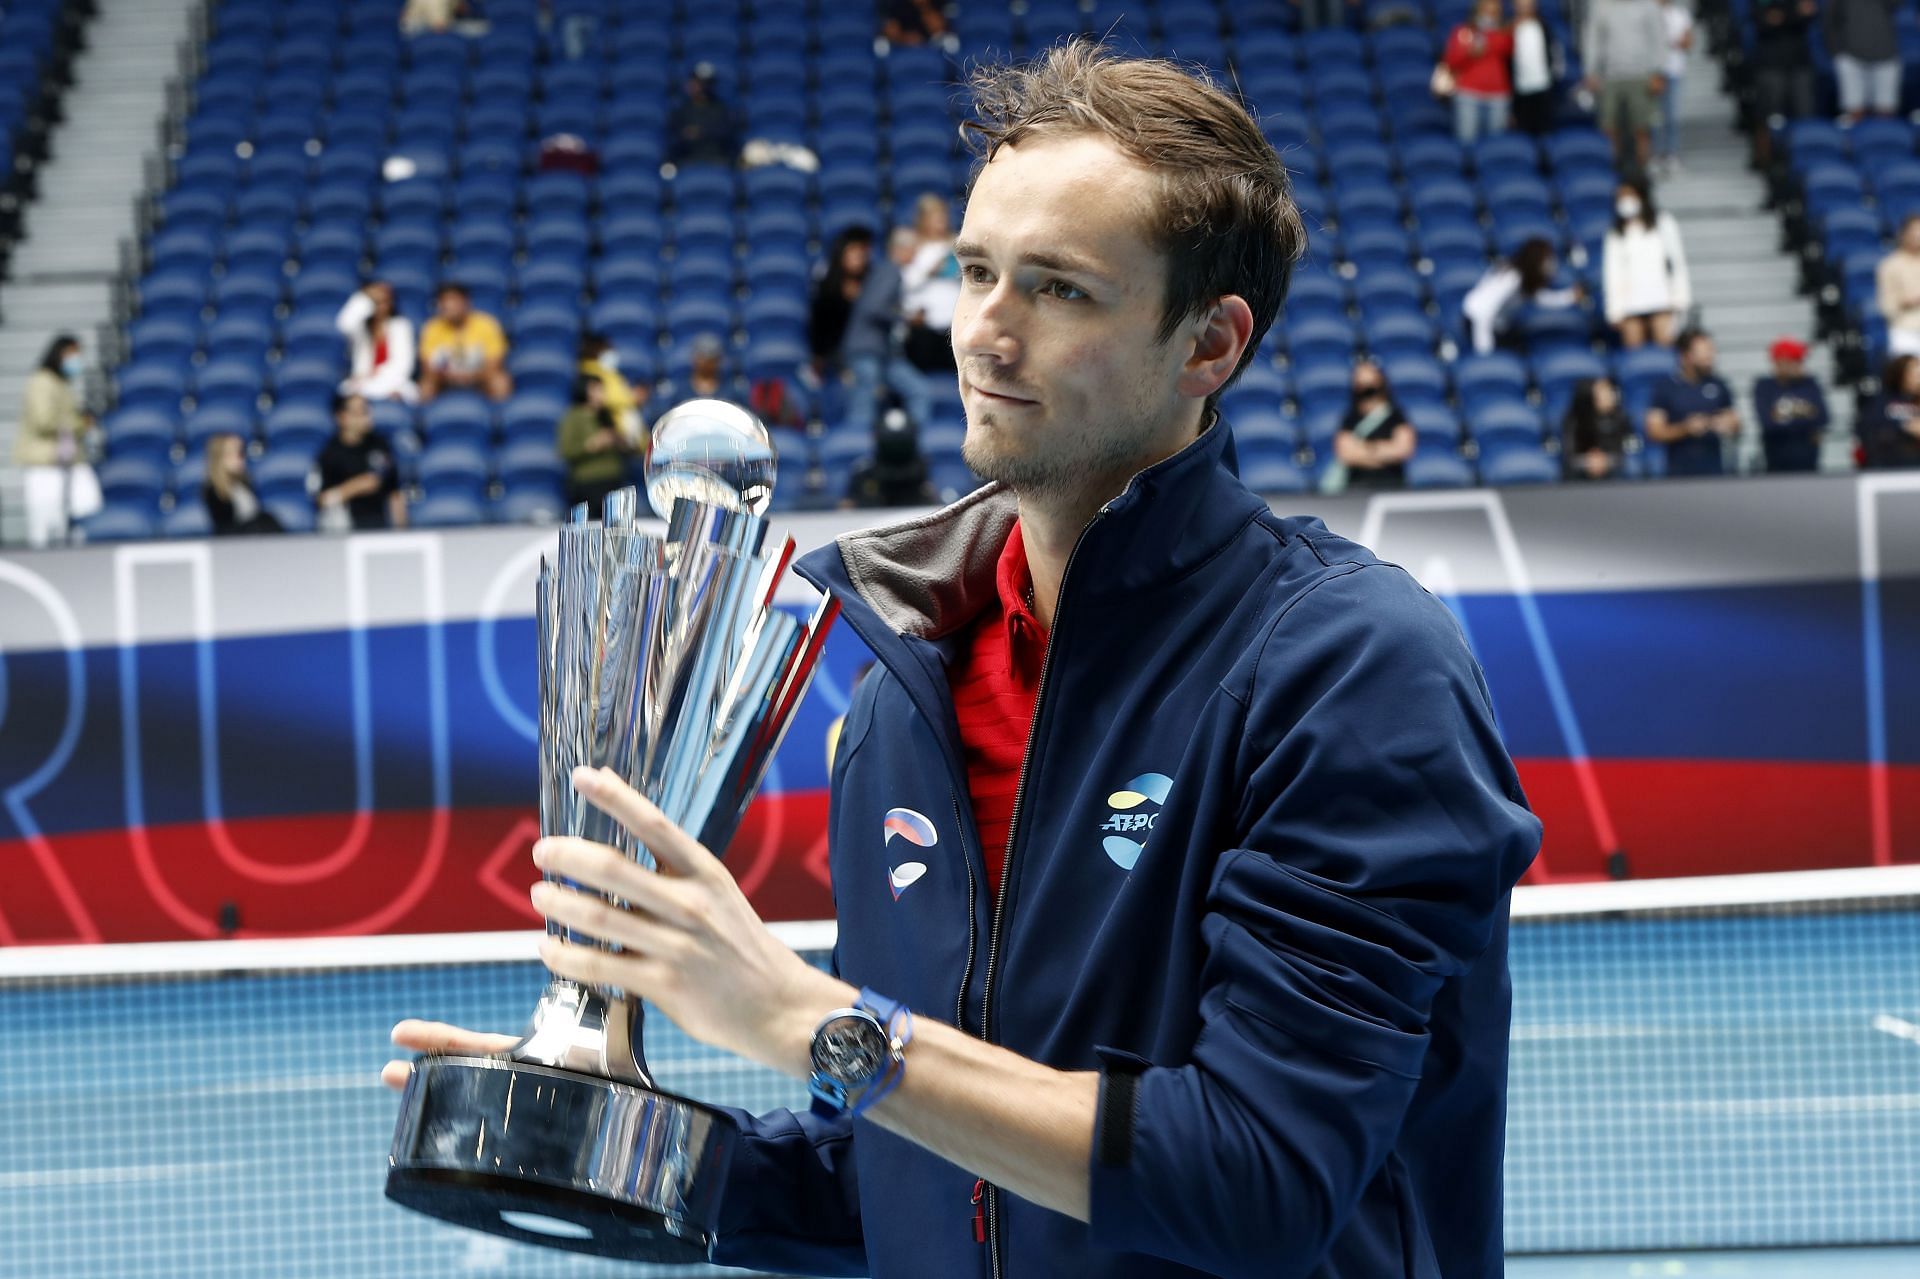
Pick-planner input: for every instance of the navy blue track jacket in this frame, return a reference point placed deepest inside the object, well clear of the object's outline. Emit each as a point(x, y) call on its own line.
point(1258, 877)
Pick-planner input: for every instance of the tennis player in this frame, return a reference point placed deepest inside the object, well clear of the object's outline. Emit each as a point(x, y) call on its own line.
point(1171, 840)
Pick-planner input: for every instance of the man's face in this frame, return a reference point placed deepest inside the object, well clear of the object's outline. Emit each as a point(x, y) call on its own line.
point(355, 420)
point(453, 307)
point(1065, 383)
point(1787, 370)
point(1910, 236)
point(1700, 355)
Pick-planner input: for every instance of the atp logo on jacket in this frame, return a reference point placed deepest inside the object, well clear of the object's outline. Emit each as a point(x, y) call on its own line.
point(1136, 806)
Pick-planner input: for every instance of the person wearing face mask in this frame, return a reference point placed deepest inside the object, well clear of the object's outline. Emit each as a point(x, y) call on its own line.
point(1692, 410)
point(1643, 267)
point(622, 400)
point(51, 446)
point(1375, 440)
point(1480, 54)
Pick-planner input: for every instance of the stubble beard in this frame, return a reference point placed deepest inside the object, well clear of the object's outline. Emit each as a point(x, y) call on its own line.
point(1091, 464)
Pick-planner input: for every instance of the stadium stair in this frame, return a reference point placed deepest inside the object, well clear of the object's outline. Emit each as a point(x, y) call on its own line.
point(65, 267)
point(1745, 285)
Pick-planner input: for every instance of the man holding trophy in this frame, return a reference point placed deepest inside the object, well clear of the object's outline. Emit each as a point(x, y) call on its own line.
point(1171, 839)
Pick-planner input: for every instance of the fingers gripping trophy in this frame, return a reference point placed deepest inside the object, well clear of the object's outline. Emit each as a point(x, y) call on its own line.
point(663, 660)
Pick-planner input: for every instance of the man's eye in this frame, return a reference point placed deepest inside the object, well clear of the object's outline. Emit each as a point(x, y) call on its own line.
point(975, 275)
point(1064, 291)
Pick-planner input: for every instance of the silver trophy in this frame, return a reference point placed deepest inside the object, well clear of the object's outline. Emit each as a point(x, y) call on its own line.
point(662, 658)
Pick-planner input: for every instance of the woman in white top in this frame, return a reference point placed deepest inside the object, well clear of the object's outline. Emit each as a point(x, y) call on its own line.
point(1643, 269)
point(381, 342)
point(930, 287)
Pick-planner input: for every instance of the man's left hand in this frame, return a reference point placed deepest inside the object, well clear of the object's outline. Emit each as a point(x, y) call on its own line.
point(693, 944)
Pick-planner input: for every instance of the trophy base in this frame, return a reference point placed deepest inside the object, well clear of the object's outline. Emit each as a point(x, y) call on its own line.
point(561, 1159)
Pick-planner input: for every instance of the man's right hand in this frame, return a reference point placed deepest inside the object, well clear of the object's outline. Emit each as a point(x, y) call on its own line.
point(439, 1037)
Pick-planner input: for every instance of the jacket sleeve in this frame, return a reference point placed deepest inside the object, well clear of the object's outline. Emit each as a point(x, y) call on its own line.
point(791, 1204)
point(1382, 827)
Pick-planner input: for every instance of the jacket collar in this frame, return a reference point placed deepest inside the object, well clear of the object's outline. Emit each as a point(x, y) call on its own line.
point(927, 577)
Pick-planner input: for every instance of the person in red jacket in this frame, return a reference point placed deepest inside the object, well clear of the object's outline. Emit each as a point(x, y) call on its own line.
point(1480, 55)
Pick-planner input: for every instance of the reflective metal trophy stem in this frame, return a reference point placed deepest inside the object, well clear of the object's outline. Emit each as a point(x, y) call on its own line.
point(663, 659)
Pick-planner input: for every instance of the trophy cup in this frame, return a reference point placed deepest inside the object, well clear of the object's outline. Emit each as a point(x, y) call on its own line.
point(663, 659)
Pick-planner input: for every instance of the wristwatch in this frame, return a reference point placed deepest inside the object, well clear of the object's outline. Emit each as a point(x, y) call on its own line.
point(857, 1054)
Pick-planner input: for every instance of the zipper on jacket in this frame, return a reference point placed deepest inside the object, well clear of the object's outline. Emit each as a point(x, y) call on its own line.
point(992, 1195)
point(973, 936)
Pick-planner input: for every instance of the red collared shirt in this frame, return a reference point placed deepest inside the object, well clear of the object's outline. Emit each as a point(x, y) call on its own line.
point(995, 685)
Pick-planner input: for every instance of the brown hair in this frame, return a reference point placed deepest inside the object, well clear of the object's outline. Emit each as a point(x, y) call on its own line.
point(1225, 216)
point(217, 478)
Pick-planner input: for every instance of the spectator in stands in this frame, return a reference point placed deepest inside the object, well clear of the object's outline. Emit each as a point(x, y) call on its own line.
point(707, 376)
point(836, 287)
point(1897, 289)
point(599, 360)
point(231, 504)
point(359, 485)
point(911, 21)
point(50, 446)
point(1536, 69)
point(1890, 426)
point(1692, 410)
point(1500, 306)
point(1625, 46)
point(1596, 433)
point(871, 354)
point(930, 287)
point(462, 349)
point(380, 344)
point(702, 129)
point(895, 474)
point(1479, 53)
point(597, 452)
point(1791, 408)
point(430, 15)
point(1782, 72)
point(1679, 23)
point(1375, 439)
point(1643, 266)
point(1866, 55)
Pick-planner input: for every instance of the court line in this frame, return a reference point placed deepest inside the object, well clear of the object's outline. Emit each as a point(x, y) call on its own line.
point(116, 1175)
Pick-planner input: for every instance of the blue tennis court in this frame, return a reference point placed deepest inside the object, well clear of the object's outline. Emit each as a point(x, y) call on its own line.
point(1692, 1094)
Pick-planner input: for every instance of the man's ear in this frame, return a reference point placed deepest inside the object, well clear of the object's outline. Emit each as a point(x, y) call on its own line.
point(1220, 340)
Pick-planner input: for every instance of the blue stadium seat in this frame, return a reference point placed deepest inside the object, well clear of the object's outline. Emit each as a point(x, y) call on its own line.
point(1519, 464)
point(119, 523)
point(549, 369)
point(132, 480)
point(142, 430)
point(454, 467)
point(310, 378)
point(1559, 370)
point(457, 417)
point(530, 416)
point(284, 474)
point(163, 338)
point(1495, 422)
point(1438, 469)
point(298, 428)
point(158, 385)
point(530, 462)
point(1642, 366)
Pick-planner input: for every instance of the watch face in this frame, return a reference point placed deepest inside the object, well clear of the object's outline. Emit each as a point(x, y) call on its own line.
point(850, 1050)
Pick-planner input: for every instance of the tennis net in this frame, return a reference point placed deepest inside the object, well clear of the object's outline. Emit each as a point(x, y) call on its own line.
point(1705, 1063)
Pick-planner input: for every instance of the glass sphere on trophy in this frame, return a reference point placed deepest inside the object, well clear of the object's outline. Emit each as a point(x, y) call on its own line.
point(663, 658)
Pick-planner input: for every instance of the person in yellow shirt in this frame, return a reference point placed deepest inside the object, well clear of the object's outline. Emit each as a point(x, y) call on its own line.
point(622, 399)
point(462, 349)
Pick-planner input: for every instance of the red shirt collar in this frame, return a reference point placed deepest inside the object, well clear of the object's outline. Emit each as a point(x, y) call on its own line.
point(1026, 637)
